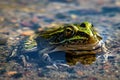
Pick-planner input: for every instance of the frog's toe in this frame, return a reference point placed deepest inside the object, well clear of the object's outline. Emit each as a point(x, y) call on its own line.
point(24, 61)
point(57, 66)
point(53, 66)
point(46, 58)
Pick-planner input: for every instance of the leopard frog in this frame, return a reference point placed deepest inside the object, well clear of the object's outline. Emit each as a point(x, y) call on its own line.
point(73, 39)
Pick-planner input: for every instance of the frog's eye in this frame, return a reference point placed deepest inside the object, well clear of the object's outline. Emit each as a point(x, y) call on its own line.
point(83, 25)
point(69, 32)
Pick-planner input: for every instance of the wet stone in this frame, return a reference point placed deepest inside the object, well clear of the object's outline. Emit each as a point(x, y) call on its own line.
point(4, 52)
point(111, 15)
point(92, 78)
point(111, 57)
point(17, 75)
point(2, 71)
point(64, 1)
point(110, 9)
point(41, 74)
point(73, 76)
point(84, 77)
point(3, 39)
point(83, 12)
point(101, 71)
point(60, 16)
point(117, 25)
point(48, 20)
point(41, 17)
point(31, 24)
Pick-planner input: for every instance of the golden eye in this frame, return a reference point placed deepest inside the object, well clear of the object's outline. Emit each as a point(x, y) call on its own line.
point(68, 32)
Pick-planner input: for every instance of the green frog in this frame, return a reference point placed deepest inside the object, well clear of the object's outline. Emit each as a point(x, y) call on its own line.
point(73, 39)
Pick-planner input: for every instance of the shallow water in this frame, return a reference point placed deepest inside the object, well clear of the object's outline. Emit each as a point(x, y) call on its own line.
point(21, 16)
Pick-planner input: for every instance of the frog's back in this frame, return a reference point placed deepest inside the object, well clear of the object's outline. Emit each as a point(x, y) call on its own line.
point(23, 46)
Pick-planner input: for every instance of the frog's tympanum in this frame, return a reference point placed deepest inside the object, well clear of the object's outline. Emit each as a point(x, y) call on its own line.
point(77, 40)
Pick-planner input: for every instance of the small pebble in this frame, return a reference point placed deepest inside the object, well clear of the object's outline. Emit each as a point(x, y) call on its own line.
point(92, 78)
point(80, 73)
point(41, 74)
point(35, 19)
point(40, 29)
point(60, 16)
point(73, 16)
point(11, 73)
point(42, 10)
point(58, 7)
point(3, 39)
point(26, 24)
point(117, 3)
point(2, 71)
point(27, 33)
point(1, 19)
point(17, 75)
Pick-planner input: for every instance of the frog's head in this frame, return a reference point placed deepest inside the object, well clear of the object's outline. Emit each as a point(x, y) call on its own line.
point(83, 33)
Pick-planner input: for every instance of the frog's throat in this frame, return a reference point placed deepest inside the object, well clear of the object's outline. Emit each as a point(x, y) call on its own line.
point(95, 47)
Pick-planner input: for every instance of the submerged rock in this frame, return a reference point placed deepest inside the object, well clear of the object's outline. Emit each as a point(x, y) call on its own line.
point(3, 39)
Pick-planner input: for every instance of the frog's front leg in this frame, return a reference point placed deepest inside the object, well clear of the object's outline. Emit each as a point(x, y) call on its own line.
point(103, 48)
point(44, 54)
point(24, 60)
point(105, 52)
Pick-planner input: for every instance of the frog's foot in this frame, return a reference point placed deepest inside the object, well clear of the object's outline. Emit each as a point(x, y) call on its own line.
point(24, 60)
point(53, 64)
point(46, 58)
point(57, 66)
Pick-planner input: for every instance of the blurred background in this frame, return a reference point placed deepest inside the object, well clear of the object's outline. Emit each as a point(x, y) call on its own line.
point(23, 17)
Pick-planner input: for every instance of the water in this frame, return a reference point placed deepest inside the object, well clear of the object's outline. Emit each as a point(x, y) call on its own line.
point(103, 14)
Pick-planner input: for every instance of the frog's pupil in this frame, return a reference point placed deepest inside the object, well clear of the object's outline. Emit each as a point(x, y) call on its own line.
point(68, 30)
point(68, 33)
point(82, 25)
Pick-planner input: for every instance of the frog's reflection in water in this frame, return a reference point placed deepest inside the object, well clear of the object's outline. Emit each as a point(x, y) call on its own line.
point(71, 59)
point(59, 58)
point(85, 59)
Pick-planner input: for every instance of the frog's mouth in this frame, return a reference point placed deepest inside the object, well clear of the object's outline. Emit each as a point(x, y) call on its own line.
point(80, 49)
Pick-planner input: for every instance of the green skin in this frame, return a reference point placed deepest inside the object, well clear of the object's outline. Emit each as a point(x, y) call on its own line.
point(71, 32)
point(72, 38)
